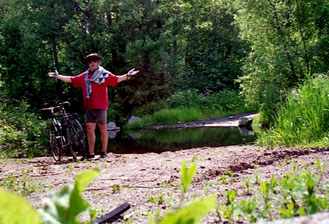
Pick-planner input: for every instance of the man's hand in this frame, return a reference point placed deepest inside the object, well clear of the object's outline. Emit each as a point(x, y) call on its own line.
point(60, 77)
point(53, 74)
point(132, 72)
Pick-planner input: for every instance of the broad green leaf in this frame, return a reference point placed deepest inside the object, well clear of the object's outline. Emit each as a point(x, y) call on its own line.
point(77, 203)
point(187, 175)
point(65, 205)
point(16, 209)
point(192, 213)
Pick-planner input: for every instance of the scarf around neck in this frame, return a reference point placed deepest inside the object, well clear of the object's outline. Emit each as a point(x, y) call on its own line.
point(99, 76)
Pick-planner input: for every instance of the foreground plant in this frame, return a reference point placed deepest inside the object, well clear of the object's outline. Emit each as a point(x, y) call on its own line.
point(296, 194)
point(188, 213)
point(23, 185)
point(192, 213)
point(187, 175)
point(63, 206)
point(16, 209)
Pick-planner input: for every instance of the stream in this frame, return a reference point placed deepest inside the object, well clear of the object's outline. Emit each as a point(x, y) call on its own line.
point(173, 139)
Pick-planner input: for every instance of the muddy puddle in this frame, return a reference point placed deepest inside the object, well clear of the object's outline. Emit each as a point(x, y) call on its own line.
point(173, 139)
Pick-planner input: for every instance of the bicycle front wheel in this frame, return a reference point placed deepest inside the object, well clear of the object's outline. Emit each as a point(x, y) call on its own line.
point(56, 144)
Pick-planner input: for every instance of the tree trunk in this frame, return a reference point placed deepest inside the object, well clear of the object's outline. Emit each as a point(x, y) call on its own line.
point(55, 53)
point(281, 33)
point(306, 57)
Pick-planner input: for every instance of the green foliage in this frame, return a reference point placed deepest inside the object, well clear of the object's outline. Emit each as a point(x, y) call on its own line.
point(116, 188)
point(247, 185)
point(285, 38)
point(226, 100)
point(187, 175)
point(188, 105)
point(156, 199)
point(64, 206)
point(301, 195)
point(192, 213)
point(177, 45)
point(168, 116)
point(304, 118)
point(22, 185)
point(248, 208)
point(189, 213)
point(226, 211)
point(21, 133)
point(185, 99)
point(16, 210)
point(296, 194)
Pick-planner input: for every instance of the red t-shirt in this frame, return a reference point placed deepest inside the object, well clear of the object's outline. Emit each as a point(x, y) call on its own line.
point(98, 98)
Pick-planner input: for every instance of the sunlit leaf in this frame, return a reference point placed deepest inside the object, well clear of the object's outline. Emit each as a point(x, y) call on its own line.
point(65, 205)
point(187, 175)
point(16, 209)
point(192, 213)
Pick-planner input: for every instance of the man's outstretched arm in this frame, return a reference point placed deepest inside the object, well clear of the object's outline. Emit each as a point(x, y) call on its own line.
point(60, 77)
point(132, 72)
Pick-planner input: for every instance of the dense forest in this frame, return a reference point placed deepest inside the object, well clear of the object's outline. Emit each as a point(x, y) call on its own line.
point(261, 48)
point(178, 45)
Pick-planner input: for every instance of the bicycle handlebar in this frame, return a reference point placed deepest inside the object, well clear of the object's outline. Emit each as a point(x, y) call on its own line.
point(54, 111)
point(64, 104)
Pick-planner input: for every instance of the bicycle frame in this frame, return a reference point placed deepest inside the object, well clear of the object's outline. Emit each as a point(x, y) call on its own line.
point(66, 132)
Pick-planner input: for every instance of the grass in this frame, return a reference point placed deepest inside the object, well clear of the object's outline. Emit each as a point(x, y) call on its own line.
point(303, 120)
point(188, 105)
point(168, 116)
point(298, 193)
point(23, 185)
point(176, 115)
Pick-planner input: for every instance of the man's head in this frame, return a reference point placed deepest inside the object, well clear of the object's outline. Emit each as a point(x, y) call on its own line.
point(93, 61)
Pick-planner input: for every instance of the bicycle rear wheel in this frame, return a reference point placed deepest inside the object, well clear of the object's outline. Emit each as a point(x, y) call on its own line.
point(56, 144)
point(78, 137)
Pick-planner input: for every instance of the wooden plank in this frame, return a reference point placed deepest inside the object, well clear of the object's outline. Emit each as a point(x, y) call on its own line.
point(113, 215)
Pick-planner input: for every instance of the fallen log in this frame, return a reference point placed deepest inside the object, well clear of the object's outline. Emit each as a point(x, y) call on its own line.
point(112, 215)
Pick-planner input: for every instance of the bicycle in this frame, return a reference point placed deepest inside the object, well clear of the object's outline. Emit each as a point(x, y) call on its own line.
point(66, 134)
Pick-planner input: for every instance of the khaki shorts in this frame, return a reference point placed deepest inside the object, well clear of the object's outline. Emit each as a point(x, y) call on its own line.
point(96, 116)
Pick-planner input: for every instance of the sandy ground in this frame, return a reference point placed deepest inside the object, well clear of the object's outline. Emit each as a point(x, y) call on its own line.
point(143, 176)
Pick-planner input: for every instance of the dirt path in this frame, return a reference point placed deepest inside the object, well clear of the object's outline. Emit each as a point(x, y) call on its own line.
point(149, 175)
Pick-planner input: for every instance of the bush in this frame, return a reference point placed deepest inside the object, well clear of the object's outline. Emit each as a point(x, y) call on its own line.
point(304, 118)
point(188, 105)
point(223, 101)
point(184, 99)
point(226, 100)
point(21, 133)
point(168, 116)
point(151, 108)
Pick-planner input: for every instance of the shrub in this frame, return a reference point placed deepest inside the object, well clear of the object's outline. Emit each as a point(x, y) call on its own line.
point(168, 116)
point(188, 105)
point(21, 133)
point(187, 98)
point(226, 100)
point(303, 118)
point(63, 206)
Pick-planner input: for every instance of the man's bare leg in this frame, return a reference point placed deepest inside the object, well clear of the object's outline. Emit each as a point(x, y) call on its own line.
point(104, 136)
point(91, 137)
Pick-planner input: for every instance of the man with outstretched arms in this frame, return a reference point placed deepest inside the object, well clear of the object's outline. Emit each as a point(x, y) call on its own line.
point(93, 83)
